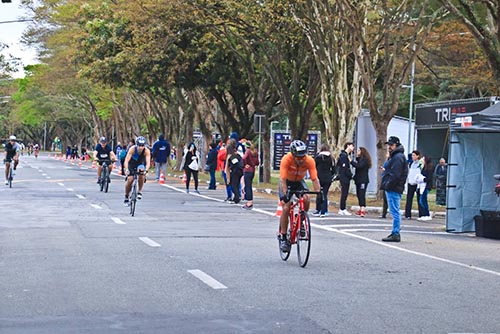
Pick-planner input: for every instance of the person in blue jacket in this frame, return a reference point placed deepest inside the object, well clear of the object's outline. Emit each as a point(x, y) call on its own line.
point(161, 153)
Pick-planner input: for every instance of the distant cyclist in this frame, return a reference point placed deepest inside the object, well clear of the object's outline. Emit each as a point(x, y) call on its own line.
point(137, 161)
point(103, 152)
point(293, 168)
point(12, 150)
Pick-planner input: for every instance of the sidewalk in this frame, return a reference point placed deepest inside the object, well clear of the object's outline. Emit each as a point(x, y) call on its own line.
point(273, 193)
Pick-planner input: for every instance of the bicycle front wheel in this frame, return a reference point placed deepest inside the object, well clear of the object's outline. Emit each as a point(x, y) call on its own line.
point(304, 239)
point(133, 198)
point(11, 177)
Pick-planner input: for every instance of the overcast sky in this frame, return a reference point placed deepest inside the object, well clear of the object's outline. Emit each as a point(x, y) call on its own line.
point(10, 34)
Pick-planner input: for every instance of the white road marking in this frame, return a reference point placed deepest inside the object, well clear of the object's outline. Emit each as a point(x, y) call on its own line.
point(118, 221)
point(69, 189)
point(384, 244)
point(207, 279)
point(380, 243)
point(48, 177)
point(44, 174)
point(80, 196)
point(149, 242)
point(95, 206)
point(61, 184)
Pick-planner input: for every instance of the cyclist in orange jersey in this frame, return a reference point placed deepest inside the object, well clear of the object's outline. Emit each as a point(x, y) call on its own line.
point(293, 169)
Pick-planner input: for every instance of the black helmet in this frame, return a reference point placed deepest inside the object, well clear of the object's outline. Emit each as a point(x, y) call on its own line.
point(140, 141)
point(298, 148)
point(102, 140)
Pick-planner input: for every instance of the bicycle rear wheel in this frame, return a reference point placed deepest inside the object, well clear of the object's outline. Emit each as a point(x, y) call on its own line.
point(284, 255)
point(304, 239)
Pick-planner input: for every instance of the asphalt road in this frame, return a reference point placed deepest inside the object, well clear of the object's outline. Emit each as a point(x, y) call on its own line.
point(72, 260)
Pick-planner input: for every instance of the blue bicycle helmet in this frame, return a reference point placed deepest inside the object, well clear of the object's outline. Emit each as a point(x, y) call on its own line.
point(140, 141)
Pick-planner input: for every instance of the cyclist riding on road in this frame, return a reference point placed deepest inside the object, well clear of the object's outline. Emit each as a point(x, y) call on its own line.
point(293, 168)
point(12, 149)
point(137, 161)
point(103, 152)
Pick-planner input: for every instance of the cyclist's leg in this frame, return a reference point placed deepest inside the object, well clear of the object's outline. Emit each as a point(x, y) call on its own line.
point(140, 181)
point(284, 214)
point(307, 201)
point(7, 169)
point(99, 171)
point(16, 162)
point(128, 185)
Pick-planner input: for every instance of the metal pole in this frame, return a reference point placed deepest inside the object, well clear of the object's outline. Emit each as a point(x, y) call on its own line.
point(45, 136)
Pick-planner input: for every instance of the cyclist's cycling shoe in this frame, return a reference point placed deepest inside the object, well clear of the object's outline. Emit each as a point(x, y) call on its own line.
point(126, 202)
point(284, 245)
point(139, 195)
point(98, 181)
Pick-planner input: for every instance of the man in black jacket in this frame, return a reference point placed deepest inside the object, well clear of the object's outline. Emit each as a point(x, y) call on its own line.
point(393, 182)
point(345, 176)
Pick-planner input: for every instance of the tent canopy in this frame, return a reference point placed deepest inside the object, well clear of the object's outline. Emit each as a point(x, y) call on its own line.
point(474, 158)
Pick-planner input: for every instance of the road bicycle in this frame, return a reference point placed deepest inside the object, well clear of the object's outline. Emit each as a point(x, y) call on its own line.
point(299, 230)
point(105, 180)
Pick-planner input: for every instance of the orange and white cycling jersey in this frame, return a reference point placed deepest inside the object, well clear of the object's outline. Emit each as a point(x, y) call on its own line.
point(292, 171)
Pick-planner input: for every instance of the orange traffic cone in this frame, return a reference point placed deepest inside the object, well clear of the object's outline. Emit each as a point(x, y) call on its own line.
point(48, 155)
point(93, 164)
point(279, 209)
point(162, 178)
point(184, 178)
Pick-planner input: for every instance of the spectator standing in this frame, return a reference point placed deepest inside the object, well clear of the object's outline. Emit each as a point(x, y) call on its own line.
point(362, 164)
point(250, 162)
point(221, 158)
point(393, 182)
point(68, 152)
point(325, 166)
point(345, 176)
point(415, 169)
point(384, 198)
point(191, 165)
point(123, 155)
point(425, 185)
point(118, 150)
point(234, 168)
point(212, 165)
point(440, 174)
point(161, 153)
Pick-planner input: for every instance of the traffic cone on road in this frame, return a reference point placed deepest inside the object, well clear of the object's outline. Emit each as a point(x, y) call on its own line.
point(279, 209)
point(184, 178)
point(162, 178)
point(93, 164)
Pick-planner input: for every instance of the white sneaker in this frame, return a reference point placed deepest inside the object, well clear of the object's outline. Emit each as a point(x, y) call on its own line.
point(344, 213)
point(427, 218)
point(6, 182)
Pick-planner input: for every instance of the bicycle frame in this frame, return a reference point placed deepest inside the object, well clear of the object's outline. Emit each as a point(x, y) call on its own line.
point(295, 217)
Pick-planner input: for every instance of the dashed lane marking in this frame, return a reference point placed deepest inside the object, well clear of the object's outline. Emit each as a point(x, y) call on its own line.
point(207, 279)
point(118, 221)
point(149, 242)
point(80, 196)
point(95, 206)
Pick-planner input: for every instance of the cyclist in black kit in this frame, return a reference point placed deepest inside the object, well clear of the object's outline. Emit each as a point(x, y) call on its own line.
point(12, 149)
point(137, 161)
point(103, 152)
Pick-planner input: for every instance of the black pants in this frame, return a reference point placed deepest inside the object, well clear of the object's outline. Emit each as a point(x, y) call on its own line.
point(344, 186)
point(322, 206)
point(361, 193)
point(412, 189)
point(235, 180)
point(248, 177)
point(189, 171)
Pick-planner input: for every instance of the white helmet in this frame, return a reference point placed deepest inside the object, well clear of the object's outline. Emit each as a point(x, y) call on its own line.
point(12, 137)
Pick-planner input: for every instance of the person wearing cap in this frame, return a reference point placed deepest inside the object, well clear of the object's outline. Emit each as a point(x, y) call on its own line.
point(161, 153)
point(103, 152)
point(394, 176)
point(12, 149)
point(250, 162)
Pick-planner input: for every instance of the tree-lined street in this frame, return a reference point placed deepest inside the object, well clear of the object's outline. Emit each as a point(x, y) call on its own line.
point(73, 260)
